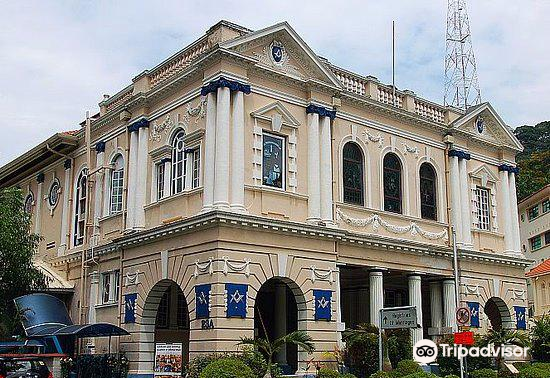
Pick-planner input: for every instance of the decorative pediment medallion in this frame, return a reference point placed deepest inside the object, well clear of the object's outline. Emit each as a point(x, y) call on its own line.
point(280, 48)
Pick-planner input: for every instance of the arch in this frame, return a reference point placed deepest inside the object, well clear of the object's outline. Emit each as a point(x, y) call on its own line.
point(498, 314)
point(353, 174)
point(29, 202)
point(367, 182)
point(404, 175)
point(80, 207)
point(428, 191)
point(177, 179)
point(392, 183)
point(440, 187)
point(275, 293)
point(158, 323)
point(116, 184)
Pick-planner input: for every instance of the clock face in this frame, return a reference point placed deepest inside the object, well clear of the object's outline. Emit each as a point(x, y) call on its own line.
point(480, 124)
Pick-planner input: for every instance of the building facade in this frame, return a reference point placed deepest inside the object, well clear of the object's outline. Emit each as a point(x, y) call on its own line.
point(246, 186)
point(534, 213)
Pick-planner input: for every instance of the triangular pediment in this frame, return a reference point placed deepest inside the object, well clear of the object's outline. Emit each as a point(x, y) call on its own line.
point(279, 48)
point(483, 123)
point(277, 115)
point(485, 175)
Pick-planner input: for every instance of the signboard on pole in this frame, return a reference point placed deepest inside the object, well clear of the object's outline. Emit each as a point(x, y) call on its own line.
point(398, 317)
point(168, 360)
point(463, 315)
point(464, 338)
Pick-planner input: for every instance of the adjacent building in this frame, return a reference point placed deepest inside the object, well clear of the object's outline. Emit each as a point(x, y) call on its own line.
point(246, 186)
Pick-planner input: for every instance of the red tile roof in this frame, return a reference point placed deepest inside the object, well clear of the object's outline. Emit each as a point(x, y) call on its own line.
point(542, 268)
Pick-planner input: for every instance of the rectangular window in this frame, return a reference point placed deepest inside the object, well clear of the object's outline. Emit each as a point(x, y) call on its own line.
point(117, 183)
point(483, 216)
point(547, 238)
point(163, 311)
point(545, 206)
point(196, 167)
point(273, 161)
point(160, 180)
point(533, 212)
point(536, 242)
point(110, 286)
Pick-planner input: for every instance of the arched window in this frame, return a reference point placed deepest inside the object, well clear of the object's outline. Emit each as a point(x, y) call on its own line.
point(178, 163)
point(29, 202)
point(392, 184)
point(117, 184)
point(428, 203)
point(353, 174)
point(80, 207)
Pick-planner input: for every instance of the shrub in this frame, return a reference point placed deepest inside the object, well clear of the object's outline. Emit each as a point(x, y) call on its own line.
point(361, 353)
point(381, 374)
point(199, 363)
point(406, 367)
point(347, 375)
point(227, 368)
point(540, 339)
point(536, 370)
point(254, 359)
point(483, 373)
point(421, 374)
point(327, 373)
point(451, 376)
point(399, 346)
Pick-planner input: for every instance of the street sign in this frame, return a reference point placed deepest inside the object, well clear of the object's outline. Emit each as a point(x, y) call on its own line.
point(463, 315)
point(464, 338)
point(398, 317)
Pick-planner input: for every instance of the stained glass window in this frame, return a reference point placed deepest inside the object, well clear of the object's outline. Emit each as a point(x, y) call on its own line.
point(29, 202)
point(53, 195)
point(117, 181)
point(353, 174)
point(178, 163)
point(428, 192)
point(392, 184)
point(273, 161)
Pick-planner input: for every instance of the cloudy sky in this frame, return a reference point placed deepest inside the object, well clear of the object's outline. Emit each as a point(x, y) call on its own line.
point(58, 58)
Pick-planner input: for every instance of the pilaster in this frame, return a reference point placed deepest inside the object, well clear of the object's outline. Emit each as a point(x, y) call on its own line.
point(415, 299)
point(65, 211)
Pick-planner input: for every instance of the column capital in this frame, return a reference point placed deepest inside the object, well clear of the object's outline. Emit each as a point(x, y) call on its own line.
point(67, 164)
point(138, 125)
point(322, 111)
point(377, 269)
point(40, 178)
point(222, 82)
point(508, 168)
point(459, 154)
point(100, 147)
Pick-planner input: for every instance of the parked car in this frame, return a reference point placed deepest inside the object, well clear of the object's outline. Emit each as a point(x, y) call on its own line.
point(29, 367)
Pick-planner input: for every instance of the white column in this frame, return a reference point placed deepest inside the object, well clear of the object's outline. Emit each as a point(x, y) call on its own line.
point(449, 304)
point(98, 190)
point(514, 209)
point(313, 168)
point(326, 164)
point(465, 204)
point(456, 211)
point(415, 299)
point(376, 291)
point(167, 177)
point(221, 180)
point(65, 211)
point(209, 152)
point(340, 327)
point(38, 208)
point(141, 181)
point(237, 153)
point(506, 214)
point(132, 180)
point(280, 322)
point(92, 301)
point(436, 305)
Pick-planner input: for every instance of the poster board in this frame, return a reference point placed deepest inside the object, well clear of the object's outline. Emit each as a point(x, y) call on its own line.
point(168, 360)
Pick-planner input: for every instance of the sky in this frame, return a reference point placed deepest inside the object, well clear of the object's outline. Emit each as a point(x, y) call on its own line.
point(58, 58)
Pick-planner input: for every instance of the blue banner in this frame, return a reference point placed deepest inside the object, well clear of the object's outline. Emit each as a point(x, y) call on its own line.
point(202, 300)
point(236, 300)
point(521, 321)
point(322, 304)
point(474, 314)
point(130, 308)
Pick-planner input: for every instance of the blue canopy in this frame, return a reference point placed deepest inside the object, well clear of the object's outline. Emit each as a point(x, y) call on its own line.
point(40, 312)
point(18, 344)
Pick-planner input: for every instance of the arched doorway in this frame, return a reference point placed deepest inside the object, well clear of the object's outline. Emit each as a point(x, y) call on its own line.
point(498, 314)
point(165, 319)
point(279, 310)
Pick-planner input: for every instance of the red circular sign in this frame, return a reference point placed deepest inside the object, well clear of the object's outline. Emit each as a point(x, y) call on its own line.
point(463, 315)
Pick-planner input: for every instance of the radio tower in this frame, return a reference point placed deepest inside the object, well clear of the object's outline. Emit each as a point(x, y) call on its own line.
point(461, 86)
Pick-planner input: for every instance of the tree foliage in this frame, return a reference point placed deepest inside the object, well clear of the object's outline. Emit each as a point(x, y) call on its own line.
point(534, 161)
point(18, 276)
point(540, 339)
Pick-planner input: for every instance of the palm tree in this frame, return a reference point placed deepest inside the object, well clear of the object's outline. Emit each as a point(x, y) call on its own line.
point(504, 337)
point(270, 348)
point(540, 336)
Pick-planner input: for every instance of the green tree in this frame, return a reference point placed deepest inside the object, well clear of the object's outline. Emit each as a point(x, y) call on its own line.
point(504, 337)
point(540, 339)
point(18, 276)
point(270, 348)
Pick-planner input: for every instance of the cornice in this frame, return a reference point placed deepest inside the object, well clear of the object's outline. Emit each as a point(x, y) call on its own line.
point(220, 218)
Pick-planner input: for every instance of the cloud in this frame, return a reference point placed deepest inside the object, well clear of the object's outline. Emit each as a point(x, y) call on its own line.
point(59, 58)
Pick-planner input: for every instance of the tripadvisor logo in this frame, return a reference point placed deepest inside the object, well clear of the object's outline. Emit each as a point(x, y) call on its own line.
point(426, 351)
